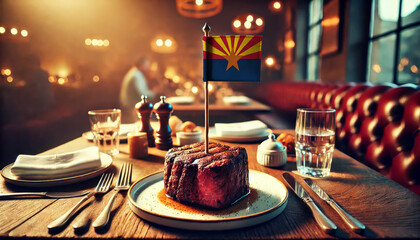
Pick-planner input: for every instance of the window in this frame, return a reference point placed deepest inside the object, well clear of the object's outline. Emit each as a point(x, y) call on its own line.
point(394, 53)
point(314, 37)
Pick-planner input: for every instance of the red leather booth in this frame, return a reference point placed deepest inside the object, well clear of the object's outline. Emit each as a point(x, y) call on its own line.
point(378, 125)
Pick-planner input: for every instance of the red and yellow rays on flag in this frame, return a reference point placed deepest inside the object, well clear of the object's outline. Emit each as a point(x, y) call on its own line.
point(232, 48)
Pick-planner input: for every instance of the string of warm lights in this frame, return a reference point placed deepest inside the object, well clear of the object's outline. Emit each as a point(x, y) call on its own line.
point(97, 42)
point(163, 44)
point(13, 31)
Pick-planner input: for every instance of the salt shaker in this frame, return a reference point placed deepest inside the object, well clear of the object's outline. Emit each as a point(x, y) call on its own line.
point(271, 153)
point(144, 111)
point(163, 111)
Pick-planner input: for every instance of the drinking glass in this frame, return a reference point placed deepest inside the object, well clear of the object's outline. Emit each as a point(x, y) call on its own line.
point(314, 142)
point(105, 126)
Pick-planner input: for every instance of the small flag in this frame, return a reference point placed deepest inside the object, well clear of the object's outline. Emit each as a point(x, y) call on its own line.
point(232, 58)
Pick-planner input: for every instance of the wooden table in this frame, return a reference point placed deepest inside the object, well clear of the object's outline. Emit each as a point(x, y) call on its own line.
point(387, 209)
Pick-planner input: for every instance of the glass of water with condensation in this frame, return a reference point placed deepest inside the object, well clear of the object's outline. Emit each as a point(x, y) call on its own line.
point(314, 141)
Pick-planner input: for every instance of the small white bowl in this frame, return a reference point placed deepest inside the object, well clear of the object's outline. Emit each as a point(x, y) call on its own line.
point(271, 153)
point(185, 138)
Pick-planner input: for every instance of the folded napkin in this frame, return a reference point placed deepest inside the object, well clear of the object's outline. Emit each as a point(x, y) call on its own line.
point(55, 166)
point(240, 129)
point(236, 100)
point(126, 128)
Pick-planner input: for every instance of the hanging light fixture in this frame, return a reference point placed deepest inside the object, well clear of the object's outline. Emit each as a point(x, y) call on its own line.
point(248, 24)
point(199, 8)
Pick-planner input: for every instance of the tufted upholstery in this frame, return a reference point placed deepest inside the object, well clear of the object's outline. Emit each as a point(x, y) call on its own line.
point(378, 125)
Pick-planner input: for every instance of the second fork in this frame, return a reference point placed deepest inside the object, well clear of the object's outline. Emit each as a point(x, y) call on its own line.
point(102, 187)
point(123, 183)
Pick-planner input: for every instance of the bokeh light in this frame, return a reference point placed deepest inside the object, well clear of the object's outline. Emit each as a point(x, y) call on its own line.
point(247, 25)
point(236, 23)
point(13, 31)
point(24, 33)
point(269, 61)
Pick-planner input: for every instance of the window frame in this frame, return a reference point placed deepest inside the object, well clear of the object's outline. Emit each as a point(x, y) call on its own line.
point(316, 53)
point(397, 31)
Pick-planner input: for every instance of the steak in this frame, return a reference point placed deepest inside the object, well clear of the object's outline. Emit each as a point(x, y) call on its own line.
point(216, 179)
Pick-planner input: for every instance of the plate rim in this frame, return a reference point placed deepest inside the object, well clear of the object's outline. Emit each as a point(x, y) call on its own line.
point(234, 219)
point(57, 181)
point(236, 138)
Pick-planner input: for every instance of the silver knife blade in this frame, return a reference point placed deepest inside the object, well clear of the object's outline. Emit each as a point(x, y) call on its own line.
point(65, 194)
point(317, 189)
point(352, 222)
point(295, 186)
point(44, 194)
point(323, 221)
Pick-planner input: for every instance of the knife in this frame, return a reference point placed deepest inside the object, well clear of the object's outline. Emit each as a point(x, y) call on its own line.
point(323, 221)
point(353, 223)
point(44, 194)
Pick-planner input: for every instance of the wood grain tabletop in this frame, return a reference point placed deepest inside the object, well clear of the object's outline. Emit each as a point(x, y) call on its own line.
point(387, 209)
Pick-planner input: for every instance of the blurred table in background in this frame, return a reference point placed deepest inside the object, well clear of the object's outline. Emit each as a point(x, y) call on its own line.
point(220, 111)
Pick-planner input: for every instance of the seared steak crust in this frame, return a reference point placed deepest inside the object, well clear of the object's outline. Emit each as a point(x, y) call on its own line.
point(216, 179)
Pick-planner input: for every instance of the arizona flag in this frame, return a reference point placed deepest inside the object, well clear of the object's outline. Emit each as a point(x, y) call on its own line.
point(232, 58)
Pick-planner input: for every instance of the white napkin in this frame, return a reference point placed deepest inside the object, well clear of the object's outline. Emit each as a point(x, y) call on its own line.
point(126, 128)
point(54, 166)
point(236, 100)
point(240, 129)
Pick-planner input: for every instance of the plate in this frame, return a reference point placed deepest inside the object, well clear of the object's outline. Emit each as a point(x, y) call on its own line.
point(106, 161)
point(181, 100)
point(267, 199)
point(255, 138)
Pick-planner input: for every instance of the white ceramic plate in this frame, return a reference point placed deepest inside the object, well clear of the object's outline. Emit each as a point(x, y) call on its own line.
point(106, 161)
point(267, 199)
point(255, 138)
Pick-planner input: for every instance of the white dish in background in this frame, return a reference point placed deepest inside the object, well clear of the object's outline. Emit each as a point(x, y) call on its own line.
point(185, 138)
point(106, 162)
point(269, 198)
point(240, 129)
point(238, 139)
point(180, 100)
point(236, 100)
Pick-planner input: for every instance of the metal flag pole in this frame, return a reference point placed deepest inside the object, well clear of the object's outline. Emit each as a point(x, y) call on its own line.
point(206, 30)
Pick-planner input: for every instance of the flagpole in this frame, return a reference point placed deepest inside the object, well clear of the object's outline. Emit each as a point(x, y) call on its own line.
point(206, 30)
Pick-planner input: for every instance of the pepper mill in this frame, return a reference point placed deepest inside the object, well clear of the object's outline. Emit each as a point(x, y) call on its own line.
point(163, 111)
point(144, 111)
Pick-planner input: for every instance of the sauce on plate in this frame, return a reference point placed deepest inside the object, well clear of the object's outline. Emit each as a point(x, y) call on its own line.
point(239, 205)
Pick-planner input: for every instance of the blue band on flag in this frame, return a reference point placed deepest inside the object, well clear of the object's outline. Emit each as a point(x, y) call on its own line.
point(214, 70)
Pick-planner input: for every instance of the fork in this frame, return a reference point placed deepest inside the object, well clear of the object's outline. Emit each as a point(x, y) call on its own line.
point(123, 183)
point(102, 187)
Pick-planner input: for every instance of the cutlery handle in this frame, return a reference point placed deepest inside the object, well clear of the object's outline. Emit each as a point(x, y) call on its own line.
point(9, 195)
point(103, 218)
point(59, 222)
point(323, 221)
point(83, 221)
point(357, 226)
